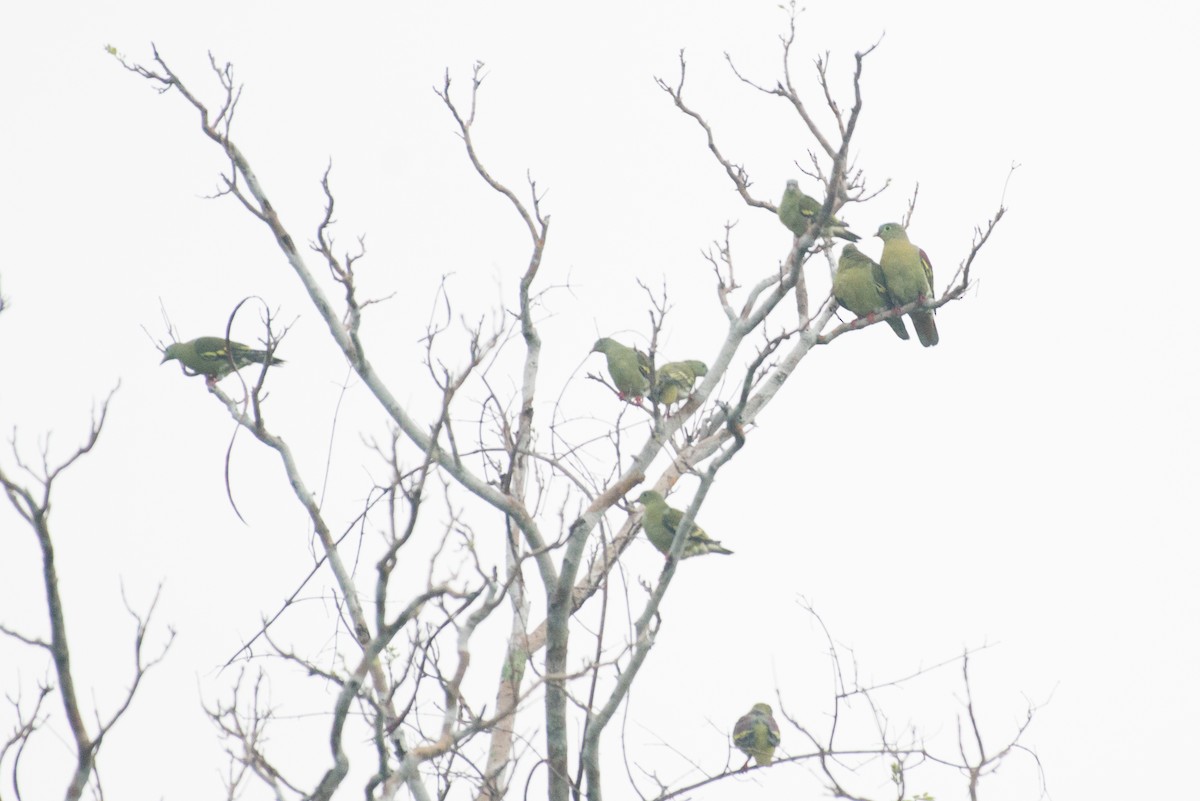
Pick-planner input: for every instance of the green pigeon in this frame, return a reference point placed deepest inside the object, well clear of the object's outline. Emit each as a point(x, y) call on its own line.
point(661, 521)
point(629, 368)
point(859, 287)
point(756, 734)
point(797, 210)
point(674, 380)
point(908, 276)
point(207, 356)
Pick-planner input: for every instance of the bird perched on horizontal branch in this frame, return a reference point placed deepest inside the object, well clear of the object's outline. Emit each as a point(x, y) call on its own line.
point(208, 356)
point(908, 276)
point(859, 287)
point(797, 210)
point(661, 522)
point(674, 380)
point(629, 368)
point(756, 734)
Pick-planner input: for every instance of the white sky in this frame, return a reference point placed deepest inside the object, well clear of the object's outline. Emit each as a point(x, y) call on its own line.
point(1028, 483)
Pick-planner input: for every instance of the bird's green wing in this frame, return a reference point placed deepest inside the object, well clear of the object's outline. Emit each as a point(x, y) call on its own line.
point(743, 733)
point(772, 733)
point(928, 267)
point(674, 381)
point(810, 207)
point(213, 350)
point(211, 356)
point(645, 366)
point(698, 542)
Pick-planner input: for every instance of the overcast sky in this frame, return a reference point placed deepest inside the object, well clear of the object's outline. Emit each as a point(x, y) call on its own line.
point(1029, 484)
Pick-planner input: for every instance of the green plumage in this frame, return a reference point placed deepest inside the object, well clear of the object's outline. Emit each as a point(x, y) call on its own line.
point(674, 380)
point(207, 356)
point(859, 287)
point(756, 734)
point(629, 368)
point(908, 276)
point(797, 210)
point(661, 522)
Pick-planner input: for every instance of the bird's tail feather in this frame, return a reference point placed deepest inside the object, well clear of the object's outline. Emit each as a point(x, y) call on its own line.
point(926, 328)
point(260, 356)
point(897, 325)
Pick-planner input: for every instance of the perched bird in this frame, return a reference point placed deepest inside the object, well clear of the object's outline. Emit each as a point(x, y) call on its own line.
point(674, 380)
point(756, 734)
point(207, 356)
point(908, 276)
point(797, 210)
point(661, 521)
point(629, 368)
point(859, 287)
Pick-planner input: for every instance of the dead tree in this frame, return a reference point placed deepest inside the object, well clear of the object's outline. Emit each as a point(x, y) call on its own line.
point(559, 524)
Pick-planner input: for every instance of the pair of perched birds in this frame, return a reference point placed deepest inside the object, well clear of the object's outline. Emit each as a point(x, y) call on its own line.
point(215, 357)
point(630, 370)
point(902, 275)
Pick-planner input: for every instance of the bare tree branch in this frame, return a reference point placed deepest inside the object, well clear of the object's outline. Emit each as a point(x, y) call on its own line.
point(402, 692)
point(34, 507)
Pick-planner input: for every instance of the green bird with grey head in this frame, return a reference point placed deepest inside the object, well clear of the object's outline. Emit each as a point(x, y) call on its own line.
point(908, 276)
point(674, 380)
point(208, 356)
point(756, 734)
point(628, 367)
point(858, 286)
point(797, 210)
point(661, 522)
